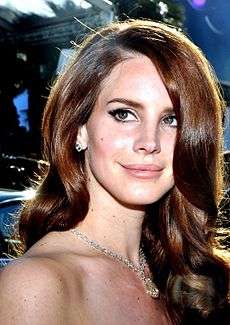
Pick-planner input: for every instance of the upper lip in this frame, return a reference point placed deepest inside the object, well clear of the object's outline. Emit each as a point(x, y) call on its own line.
point(143, 167)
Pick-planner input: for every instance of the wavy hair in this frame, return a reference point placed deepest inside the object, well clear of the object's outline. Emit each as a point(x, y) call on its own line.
point(178, 240)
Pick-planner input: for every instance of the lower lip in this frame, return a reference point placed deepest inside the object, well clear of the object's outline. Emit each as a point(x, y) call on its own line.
point(143, 174)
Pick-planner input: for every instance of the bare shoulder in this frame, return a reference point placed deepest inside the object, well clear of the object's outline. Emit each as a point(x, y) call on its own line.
point(34, 290)
point(31, 289)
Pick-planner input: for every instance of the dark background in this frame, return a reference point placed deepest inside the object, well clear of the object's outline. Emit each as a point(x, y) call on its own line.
point(31, 44)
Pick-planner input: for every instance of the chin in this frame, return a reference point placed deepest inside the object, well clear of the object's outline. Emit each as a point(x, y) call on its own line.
point(141, 198)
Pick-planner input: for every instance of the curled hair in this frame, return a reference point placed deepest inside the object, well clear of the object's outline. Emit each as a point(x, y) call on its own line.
point(178, 230)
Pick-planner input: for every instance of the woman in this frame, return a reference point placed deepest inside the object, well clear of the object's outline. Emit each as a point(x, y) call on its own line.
point(121, 229)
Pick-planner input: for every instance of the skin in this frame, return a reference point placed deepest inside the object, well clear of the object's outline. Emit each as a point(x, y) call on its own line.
point(61, 280)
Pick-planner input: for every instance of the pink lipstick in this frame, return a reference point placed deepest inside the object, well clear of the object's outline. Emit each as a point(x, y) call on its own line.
point(144, 171)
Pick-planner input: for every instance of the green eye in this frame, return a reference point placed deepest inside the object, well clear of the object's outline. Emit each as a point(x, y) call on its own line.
point(123, 115)
point(170, 120)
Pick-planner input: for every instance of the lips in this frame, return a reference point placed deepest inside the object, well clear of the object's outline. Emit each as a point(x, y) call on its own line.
point(143, 167)
point(144, 171)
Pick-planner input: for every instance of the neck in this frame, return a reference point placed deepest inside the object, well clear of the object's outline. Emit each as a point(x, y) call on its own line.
point(116, 227)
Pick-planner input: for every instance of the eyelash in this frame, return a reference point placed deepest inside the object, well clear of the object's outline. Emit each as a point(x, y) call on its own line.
point(115, 112)
point(169, 117)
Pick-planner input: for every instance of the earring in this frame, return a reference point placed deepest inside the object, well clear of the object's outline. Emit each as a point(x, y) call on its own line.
point(78, 147)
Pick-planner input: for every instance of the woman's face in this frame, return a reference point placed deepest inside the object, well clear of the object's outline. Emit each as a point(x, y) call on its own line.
point(130, 135)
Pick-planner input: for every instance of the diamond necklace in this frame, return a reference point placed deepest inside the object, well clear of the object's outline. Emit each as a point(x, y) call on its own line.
point(150, 286)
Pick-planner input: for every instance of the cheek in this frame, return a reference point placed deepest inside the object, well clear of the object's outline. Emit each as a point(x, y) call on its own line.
point(106, 142)
point(168, 153)
point(168, 145)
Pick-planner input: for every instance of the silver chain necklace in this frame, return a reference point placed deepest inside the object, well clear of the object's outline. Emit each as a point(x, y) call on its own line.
point(150, 286)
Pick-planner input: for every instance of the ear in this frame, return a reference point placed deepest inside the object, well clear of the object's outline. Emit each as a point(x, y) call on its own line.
point(82, 137)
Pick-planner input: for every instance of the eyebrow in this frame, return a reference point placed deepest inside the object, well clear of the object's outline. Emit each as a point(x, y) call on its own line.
point(126, 102)
point(134, 103)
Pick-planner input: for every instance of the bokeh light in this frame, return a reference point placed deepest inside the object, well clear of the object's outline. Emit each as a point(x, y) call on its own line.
point(198, 3)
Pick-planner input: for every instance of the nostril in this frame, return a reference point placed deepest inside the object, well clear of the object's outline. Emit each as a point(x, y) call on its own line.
point(148, 147)
point(148, 138)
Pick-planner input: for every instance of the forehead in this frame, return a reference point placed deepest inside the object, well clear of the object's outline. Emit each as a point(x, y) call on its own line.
point(137, 78)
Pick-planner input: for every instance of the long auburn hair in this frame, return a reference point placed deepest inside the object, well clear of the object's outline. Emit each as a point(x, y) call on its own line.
point(178, 241)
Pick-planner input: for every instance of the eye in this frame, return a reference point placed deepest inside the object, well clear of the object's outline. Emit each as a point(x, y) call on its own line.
point(170, 120)
point(123, 115)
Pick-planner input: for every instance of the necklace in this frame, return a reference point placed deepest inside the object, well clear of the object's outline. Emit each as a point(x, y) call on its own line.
point(150, 286)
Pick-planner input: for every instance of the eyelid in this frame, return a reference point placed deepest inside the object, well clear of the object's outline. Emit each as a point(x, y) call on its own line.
point(131, 110)
point(113, 111)
point(167, 114)
point(173, 115)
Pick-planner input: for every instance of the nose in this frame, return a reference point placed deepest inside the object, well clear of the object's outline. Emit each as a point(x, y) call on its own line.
point(147, 140)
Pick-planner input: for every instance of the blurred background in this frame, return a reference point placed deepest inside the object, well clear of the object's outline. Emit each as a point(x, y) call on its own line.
point(36, 38)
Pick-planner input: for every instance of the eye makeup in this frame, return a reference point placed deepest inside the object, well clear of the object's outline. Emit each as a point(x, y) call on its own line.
point(123, 115)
